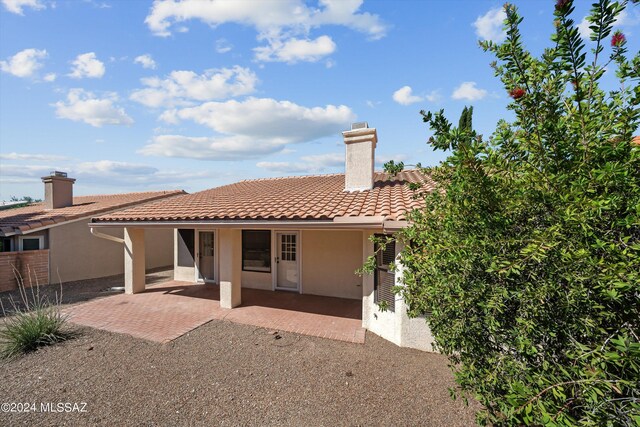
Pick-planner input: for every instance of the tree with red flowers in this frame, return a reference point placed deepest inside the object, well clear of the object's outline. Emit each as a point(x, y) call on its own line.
point(526, 257)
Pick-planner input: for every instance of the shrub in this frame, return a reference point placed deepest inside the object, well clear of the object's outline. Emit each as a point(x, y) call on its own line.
point(33, 324)
point(527, 256)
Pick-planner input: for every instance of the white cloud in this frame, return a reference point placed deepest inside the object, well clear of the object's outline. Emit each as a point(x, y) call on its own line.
point(285, 167)
point(266, 118)
point(404, 96)
point(327, 160)
point(321, 163)
point(266, 15)
point(26, 171)
point(307, 164)
point(489, 25)
point(112, 173)
point(209, 148)
point(108, 167)
point(87, 65)
point(295, 50)
point(223, 46)
point(381, 158)
point(583, 28)
point(35, 157)
point(50, 77)
point(83, 106)
point(434, 96)
point(252, 128)
point(146, 61)
point(279, 22)
point(468, 91)
point(24, 63)
point(182, 87)
point(16, 6)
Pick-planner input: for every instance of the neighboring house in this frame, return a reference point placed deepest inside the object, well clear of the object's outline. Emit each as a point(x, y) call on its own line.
point(304, 234)
point(50, 242)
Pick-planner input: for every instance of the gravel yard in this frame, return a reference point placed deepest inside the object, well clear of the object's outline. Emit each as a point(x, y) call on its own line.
point(224, 373)
point(229, 374)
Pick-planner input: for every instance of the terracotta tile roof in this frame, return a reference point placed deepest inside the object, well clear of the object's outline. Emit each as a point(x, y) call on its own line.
point(319, 197)
point(36, 216)
point(636, 140)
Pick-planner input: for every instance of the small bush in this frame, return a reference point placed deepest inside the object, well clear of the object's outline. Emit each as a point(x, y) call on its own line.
point(28, 330)
point(33, 324)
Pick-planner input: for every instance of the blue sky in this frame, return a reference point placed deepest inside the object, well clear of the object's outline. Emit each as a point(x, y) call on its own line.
point(133, 95)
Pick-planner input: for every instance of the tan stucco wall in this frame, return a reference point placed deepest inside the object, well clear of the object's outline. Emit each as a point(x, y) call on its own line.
point(395, 326)
point(76, 254)
point(329, 260)
point(257, 280)
point(158, 246)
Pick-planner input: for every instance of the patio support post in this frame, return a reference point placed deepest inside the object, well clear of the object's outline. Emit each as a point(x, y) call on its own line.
point(230, 267)
point(134, 260)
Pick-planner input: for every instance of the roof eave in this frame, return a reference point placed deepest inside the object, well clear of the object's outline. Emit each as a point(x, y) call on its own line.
point(376, 223)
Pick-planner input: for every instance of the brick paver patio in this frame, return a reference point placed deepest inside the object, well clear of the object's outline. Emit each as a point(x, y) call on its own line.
point(168, 310)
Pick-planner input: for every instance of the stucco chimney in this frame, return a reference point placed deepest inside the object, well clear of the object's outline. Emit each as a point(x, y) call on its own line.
point(58, 190)
point(360, 145)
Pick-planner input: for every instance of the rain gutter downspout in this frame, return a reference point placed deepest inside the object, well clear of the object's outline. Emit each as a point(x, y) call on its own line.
point(106, 236)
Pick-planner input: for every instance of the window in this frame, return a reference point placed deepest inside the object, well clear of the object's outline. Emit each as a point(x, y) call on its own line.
point(288, 247)
point(384, 280)
point(6, 244)
point(186, 248)
point(31, 243)
point(256, 250)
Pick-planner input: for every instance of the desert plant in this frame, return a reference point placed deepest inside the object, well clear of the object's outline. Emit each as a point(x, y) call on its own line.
point(35, 323)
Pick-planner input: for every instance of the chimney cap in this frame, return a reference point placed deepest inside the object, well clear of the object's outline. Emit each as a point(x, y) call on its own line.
point(359, 125)
point(59, 174)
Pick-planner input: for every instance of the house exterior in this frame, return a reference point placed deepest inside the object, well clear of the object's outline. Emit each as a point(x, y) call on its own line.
point(305, 234)
point(51, 243)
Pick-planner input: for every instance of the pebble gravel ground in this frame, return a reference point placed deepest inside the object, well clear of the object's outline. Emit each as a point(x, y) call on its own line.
point(225, 374)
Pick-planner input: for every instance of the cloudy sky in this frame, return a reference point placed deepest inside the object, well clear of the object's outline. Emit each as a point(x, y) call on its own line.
point(137, 95)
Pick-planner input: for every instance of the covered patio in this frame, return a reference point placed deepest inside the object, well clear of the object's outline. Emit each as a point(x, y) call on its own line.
point(165, 311)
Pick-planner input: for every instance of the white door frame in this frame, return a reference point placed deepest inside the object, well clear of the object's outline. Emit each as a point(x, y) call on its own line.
point(216, 266)
point(275, 252)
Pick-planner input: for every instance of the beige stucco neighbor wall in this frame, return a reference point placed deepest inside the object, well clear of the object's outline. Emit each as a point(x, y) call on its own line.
point(329, 260)
point(76, 254)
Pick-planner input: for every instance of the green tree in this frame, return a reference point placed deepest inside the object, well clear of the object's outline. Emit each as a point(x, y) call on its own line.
point(526, 257)
point(465, 123)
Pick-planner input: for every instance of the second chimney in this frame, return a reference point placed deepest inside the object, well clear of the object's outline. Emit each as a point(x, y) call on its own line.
point(58, 190)
point(360, 145)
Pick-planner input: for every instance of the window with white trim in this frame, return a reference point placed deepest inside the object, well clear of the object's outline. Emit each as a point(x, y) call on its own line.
point(31, 243)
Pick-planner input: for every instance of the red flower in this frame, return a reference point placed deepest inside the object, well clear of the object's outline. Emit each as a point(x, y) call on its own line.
point(516, 93)
point(560, 4)
point(618, 39)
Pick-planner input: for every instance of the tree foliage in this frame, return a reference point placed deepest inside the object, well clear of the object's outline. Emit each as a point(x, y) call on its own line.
point(526, 257)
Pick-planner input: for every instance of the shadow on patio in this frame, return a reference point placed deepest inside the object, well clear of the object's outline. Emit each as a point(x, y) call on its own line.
point(168, 310)
point(338, 307)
